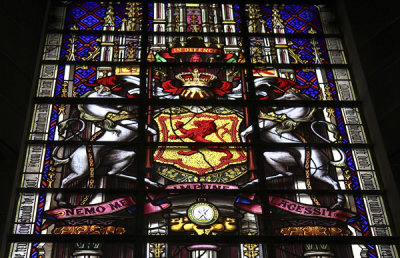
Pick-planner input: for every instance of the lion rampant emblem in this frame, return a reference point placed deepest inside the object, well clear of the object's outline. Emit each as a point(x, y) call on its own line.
point(203, 128)
point(181, 125)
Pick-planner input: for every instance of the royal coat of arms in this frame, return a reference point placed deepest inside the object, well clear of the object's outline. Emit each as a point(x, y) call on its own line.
point(195, 126)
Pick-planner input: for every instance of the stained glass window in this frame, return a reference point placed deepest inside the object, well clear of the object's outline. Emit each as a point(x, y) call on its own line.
point(197, 130)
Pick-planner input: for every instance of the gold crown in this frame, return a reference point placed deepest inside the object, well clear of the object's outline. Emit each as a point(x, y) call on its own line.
point(196, 79)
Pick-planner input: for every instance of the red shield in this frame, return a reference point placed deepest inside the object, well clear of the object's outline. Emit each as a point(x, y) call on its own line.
point(206, 127)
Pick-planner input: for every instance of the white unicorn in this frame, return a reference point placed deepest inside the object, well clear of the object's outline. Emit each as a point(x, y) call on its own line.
point(117, 126)
point(279, 129)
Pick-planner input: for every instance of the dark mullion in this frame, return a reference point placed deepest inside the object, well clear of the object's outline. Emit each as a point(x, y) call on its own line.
point(264, 145)
point(315, 2)
point(250, 34)
point(254, 102)
point(141, 155)
point(205, 64)
point(253, 112)
point(238, 33)
point(194, 191)
point(176, 33)
point(229, 239)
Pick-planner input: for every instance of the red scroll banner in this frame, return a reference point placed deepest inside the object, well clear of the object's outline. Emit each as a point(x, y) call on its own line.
point(308, 210)
point(92, 210)
point(297, 208)
point(103, 209)
point(202, 186)
point(205, 50)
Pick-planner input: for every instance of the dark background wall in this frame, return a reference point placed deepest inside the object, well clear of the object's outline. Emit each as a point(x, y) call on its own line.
point(374, 25)
point(20, 37)
point(376, 28)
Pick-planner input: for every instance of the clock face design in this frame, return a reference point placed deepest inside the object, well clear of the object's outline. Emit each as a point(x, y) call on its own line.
point(203, 213)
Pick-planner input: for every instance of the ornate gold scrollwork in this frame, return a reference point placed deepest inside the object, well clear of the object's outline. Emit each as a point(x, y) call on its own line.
point(328, 94)
point(89, 230)
point(348, 181)
point(157, 249)
point(296, 57)
point(134, 16)
point(315, 231)
point(64, 94)
point(255, 19)
point(91, 55)
point(251, 250)
point(183, 224)
point(51, 175)
point(273, 116)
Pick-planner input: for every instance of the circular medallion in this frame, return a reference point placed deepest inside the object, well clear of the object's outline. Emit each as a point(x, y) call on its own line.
point(203, 213)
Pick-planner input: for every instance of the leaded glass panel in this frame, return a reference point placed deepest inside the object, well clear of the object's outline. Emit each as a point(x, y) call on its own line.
point(197, 130)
